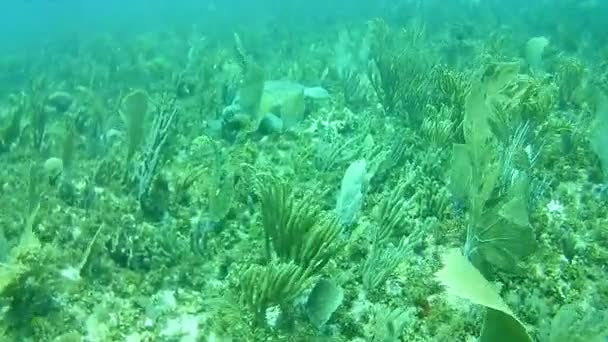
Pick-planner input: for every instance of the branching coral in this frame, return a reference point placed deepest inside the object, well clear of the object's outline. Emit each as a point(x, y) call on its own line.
point(152, 189)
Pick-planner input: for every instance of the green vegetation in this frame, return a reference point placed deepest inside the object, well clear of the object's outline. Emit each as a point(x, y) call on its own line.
point(188, 183)
point(296, 231)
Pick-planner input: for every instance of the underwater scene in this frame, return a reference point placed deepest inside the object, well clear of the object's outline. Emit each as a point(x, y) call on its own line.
point(303, 171)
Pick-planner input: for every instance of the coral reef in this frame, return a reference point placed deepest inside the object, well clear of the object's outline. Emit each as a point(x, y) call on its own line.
point(310, 180)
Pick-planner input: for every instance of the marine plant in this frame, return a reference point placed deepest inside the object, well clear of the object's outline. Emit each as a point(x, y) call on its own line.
point(598, 131)
point(392, 238)
point(380, 262)
point(12, 131)
point(296, 230)
point(439, 127)
point(393, 156)
point(275, 284)
point(352, 192)
point(391, 213)
point(152, 190)
point(534, 54)
point(462, 279)
point(498, 229)
point(388, 323)
point(570, 77)
point(526, 99)
point(184, 237)
point(39, 116)
point(323, 300)
point(29, 280)
point(396, 74)
point(576, 323)
point(252, 86)
point(133, 113)
point(450, 89)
